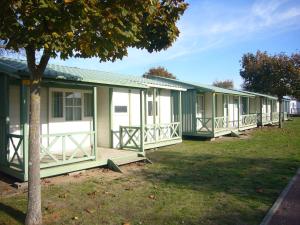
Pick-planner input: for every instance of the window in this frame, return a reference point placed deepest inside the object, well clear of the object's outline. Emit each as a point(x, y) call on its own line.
point(88, 104)
point(121, 109)
point(150, 108)
point(200, 105)
point(244, 106)
point(73, 106)
point(57, 104)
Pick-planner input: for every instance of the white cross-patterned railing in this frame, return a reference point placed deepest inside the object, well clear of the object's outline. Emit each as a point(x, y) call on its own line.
point(66, 148)
point(15, 144)
point(220, 122)
point(264, 117)
point(248, 120)
point(203, 124)
point(130, 137)
point(161, 132)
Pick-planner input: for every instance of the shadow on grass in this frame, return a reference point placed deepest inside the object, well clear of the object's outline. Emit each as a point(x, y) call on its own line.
point(12, 212)
point(252, 178)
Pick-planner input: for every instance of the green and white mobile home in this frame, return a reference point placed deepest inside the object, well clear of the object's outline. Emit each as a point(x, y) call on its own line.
point(209, 111)
point(88, 118)
point(266, 108)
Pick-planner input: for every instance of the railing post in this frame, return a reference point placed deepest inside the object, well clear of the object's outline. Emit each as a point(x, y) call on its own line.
point(95, 134)
point(121, 137)
point(142, 120)
point(213, 114)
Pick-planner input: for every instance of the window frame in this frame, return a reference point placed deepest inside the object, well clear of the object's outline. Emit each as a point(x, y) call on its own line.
point(64, 91)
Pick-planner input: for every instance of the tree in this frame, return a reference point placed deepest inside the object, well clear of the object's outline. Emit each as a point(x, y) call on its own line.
point(277, 74)
point(224, 84)
point(159, 72)
point(79, 28)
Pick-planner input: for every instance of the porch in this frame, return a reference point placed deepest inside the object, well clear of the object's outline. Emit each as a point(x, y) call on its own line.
point(223, 125)
point(53, 162)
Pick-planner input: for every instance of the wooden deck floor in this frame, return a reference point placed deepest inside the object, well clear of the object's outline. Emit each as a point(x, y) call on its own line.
point(110, 153)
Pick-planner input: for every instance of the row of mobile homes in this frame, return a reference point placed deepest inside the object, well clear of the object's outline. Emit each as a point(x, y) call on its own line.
point(209, 111)
point(88, 118)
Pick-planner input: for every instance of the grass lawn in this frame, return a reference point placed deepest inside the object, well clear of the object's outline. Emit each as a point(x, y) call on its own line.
point(197, 182)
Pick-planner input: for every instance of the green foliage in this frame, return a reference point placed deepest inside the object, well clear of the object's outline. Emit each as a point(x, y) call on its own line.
point(96, 28)
point(159, 72)
point(224, 84)
point(272, 74)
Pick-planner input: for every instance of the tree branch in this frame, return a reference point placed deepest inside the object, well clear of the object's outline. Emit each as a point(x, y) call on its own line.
point(30, 55)
point(44, 61)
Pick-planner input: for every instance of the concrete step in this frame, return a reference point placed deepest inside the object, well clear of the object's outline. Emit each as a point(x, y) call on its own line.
point(114, 163)
point(128, 159)
point(235, 133)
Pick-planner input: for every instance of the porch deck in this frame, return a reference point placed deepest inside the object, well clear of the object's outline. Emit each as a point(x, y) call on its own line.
point(120, 157)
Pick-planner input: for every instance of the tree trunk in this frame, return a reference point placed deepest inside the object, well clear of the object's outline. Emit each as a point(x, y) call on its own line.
point(280, 114)
point(34, 213)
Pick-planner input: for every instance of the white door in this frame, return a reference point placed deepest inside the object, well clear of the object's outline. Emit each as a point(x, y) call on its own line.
point(235, 112)
point(120, 113)
point(152, 130)
point(225, 110)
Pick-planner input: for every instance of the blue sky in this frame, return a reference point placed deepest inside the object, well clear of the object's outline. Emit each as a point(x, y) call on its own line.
point(214, 36)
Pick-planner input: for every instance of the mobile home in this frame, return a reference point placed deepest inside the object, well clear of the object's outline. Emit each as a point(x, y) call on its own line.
point(89, 118)
point(266, 108)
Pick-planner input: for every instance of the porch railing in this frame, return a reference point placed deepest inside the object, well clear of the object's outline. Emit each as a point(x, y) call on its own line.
point(248, 120)
point(67, 148)
point(264, 117)
point(15, 151)
point(130, 136)
point(203, 124)
point(221, 123)
point(161, 132)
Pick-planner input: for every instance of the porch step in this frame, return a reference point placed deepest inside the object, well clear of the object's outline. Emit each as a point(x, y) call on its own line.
point(235, 133)
point(114, 163)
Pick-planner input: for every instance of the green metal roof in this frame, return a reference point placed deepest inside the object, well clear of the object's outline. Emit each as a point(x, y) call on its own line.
point(260, 94)
point(57, 72)
point(200, 87)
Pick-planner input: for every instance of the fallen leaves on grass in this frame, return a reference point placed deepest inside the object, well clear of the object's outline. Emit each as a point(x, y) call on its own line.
point(152, 197)
point(63, 195)
point(90, 211)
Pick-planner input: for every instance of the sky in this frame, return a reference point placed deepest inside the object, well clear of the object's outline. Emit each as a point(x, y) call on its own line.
point(214, 35)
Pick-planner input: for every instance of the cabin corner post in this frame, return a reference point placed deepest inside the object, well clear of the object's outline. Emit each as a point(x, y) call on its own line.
point(24, 125)
point(95, 131)
point(180, 114)
point(261, 113)
point(213, 113)
point(239, 111)
point(110, 117)
point(142, 119)
point(3, 116)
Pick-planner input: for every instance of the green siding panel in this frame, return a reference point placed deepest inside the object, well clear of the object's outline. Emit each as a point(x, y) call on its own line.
point(3, 115)
point(188, 111)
